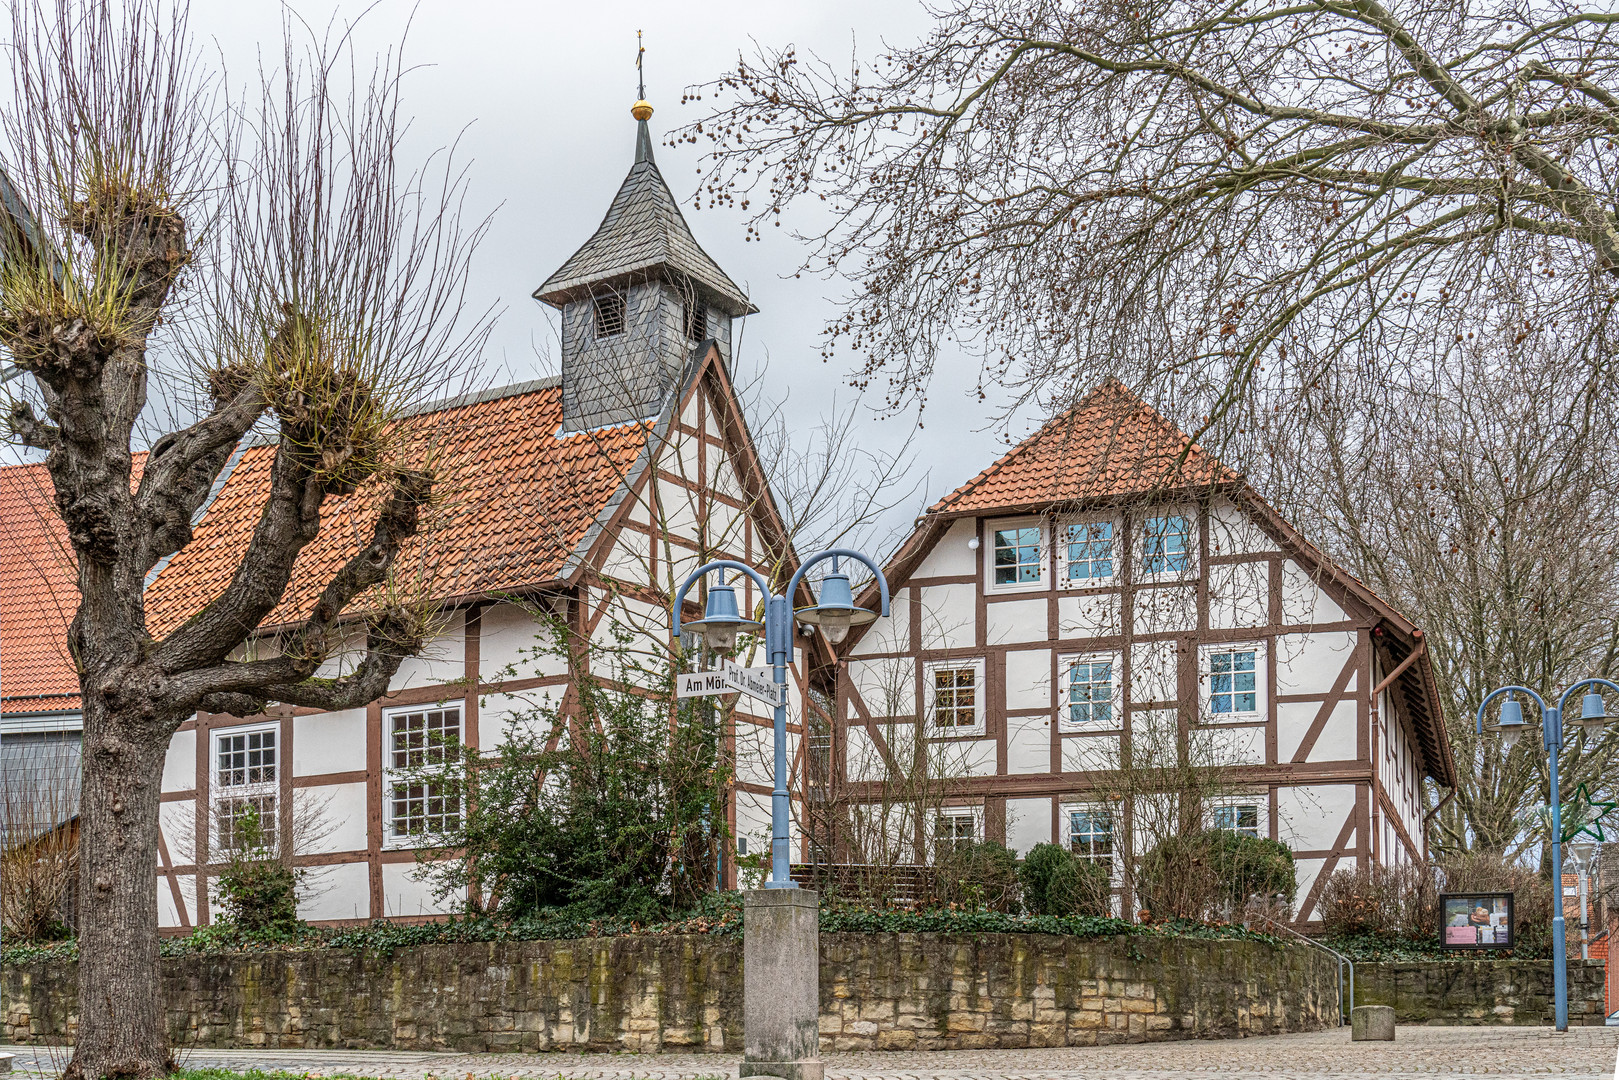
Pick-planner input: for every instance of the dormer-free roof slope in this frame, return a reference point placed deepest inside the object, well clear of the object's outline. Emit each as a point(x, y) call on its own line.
point(38, 596)
point(1109, 445)
point(644, 235)
point(516, 500)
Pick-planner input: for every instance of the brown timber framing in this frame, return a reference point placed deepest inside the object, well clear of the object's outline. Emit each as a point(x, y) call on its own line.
point(583, 594)
point(1376, 628)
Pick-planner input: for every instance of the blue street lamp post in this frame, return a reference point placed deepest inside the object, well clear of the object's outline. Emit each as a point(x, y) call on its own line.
point(1509, 725)
point(722, 621)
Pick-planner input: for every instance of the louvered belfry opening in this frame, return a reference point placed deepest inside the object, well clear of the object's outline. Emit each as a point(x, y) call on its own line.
point(636, 299)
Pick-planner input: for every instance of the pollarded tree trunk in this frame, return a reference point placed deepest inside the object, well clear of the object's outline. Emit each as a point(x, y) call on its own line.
point(120, 999)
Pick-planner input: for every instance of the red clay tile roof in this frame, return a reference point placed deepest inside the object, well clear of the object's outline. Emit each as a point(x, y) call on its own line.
point(1110, 444)
point(37, 597)
point(517, 502)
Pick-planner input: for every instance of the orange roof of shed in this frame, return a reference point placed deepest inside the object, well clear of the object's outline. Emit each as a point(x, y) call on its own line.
point(515, 502)
point(1110, 444)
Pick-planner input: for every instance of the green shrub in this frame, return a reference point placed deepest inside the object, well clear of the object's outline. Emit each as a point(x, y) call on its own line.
point(257, 891)
point(1211, 874)
point(980, 875)
point(1058, 882)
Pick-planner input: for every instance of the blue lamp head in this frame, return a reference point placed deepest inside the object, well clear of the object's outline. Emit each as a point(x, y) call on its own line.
point(722, 620)
point(836, 612)
point(1592, 715)
point(1509, 725)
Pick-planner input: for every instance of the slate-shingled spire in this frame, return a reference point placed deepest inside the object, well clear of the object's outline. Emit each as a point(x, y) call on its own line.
point(636, 300)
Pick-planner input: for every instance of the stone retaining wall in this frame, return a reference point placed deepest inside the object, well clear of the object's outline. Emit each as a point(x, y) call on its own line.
point(1481, 991)
point(878, 991)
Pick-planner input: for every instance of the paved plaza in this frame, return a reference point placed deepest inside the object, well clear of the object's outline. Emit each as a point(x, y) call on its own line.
point(1501, 1053)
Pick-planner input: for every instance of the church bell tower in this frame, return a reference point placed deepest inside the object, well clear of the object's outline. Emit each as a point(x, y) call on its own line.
point(640, 300)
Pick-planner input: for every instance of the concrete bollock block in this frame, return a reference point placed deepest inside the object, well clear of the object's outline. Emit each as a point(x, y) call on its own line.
point(1371, 1023)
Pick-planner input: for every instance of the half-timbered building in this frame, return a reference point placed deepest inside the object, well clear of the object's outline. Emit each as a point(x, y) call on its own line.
point(1106, 594)
point(581, 500)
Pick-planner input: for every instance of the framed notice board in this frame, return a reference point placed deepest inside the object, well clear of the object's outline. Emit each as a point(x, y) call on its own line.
point(1475, 921)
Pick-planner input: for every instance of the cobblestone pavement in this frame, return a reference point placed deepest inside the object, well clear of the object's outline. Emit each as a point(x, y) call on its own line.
point(1494, 1053)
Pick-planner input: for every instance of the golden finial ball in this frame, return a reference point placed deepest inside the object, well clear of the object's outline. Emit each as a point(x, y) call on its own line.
point(641, 110)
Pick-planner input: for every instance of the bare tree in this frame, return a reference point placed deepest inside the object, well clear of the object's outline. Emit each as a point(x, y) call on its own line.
point(1481, 502)
point(271, 255)
point(1201, 197)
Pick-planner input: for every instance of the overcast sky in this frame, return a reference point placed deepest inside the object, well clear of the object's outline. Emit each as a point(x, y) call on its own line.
point(538, 94)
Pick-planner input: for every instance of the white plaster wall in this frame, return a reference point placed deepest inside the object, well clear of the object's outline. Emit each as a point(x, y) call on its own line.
point(340, 810)
point(500, 714)
point(1303, 602)
point(755, 750)
point(1309, 818)
point(1166, 611)
point(340, 891)
point(951, 557)
point(404, 896)
point(1239, 595)
point(1230, 746)
point(506, 639)
point(1232, 532)
point(677, 507)
point(328, 742)
point(1028, 822)
point(1305, 871)
point(1028, 679)
point(892, 634)
point(178, 821)
point(180, 762)
point(950, 617)
point(1309, 663)
point(1337, 739)
point(1152, 675)
point(1089, 753)
point(1095, 615)
point(863, 762)
point(1015, 621)
point(1028, 744)
point(887, 686)
point(629, 559)
point(753, 822)
point(442, 661)
point(974, 757)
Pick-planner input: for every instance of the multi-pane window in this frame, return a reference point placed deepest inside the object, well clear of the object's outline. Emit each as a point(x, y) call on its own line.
point(952, 832)
point(1240, 818)
point(1233, 682)
point(1087, 549)
point(1090, 692)
point(1166, 544)
point(246, 789)
point(1090, 835)
point(955, 697)
point(1017, 555)
point(419, 805)
point(607, 310)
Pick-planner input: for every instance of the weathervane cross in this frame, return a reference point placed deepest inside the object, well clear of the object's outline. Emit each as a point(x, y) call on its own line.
point(640, 73)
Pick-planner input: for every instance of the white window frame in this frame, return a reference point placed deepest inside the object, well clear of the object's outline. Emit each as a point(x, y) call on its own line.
point(1066, 828)
point(1205, 681)
point(974, 814)
point(991, 527)
point(1260, 803)
point(1142, 532)
point(1060, 541)
point(1065, 665)
point(930, 698)
point(218, 793)
point(391, 773)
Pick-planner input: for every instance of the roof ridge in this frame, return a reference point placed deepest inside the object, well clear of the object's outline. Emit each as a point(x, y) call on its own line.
point(1112, 383)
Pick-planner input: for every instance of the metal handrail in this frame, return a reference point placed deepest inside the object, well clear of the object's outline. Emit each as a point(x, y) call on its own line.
point(1343, 1013)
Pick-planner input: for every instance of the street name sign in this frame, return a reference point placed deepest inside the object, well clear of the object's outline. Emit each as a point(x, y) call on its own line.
point(756, 682)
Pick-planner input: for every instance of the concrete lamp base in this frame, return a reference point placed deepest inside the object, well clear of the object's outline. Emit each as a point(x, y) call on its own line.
point(1371, 1023)
point(781, 984)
